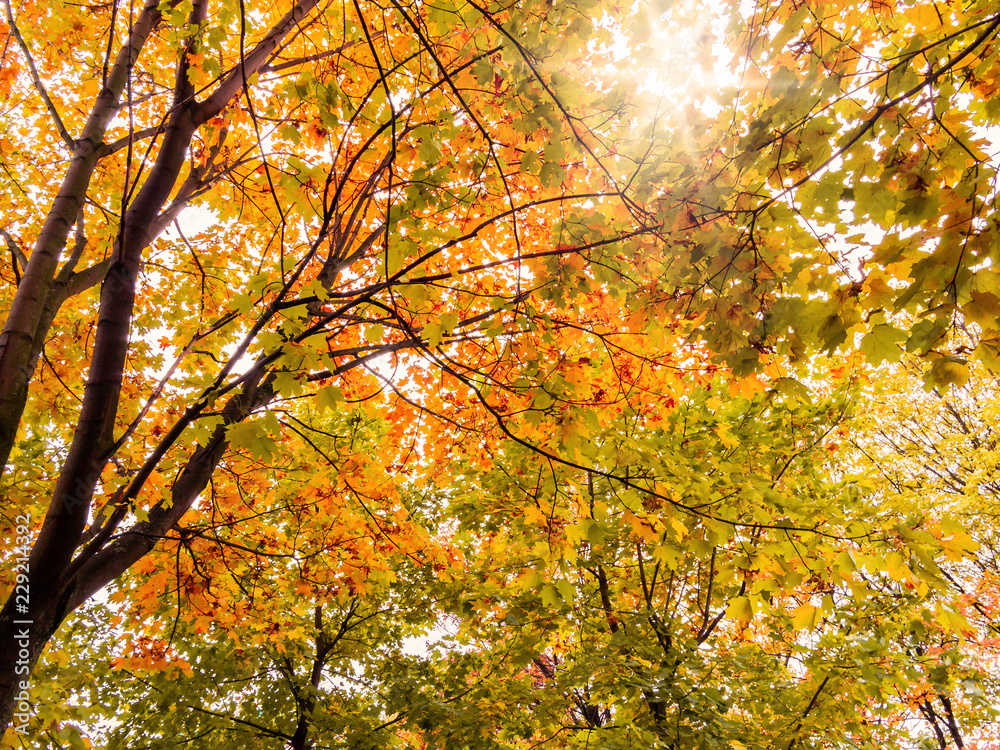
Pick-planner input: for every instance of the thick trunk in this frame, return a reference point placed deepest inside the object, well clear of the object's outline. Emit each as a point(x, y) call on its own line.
point(52, 601)
point(90, 449)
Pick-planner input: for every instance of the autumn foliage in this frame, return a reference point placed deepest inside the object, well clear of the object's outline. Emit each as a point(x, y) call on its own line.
point(519, 375)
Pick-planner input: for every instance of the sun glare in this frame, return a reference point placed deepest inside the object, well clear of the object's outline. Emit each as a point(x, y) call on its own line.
point(680, 57)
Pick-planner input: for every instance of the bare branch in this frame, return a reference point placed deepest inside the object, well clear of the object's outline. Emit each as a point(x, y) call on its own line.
point(15, 250)
point(36, 80)
point(138, 135)
point(74, 257)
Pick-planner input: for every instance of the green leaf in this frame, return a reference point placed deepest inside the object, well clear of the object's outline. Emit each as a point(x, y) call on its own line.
point(550, 596)
point(530, 163)
point(330, 398)
point(566, 590)
point(882, 344)
point(374, 333)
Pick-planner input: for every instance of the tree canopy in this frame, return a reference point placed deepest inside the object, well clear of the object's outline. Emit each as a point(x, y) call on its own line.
point(483, 374)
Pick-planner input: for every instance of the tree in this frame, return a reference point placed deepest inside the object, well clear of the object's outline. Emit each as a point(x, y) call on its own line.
point(436, 224)
point(636, 625)
point(359, 167)
point(934, 450)
point(587, 614)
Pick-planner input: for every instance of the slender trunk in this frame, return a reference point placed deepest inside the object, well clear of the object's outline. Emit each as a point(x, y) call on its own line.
point(61, 576)
point(24, 631)
point(52, 601)
point(23, 326)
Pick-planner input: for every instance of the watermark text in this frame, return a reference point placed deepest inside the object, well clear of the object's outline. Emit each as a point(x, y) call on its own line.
point(22, 626)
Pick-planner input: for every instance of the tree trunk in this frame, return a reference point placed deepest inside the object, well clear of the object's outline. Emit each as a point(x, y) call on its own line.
point(23, 326)
point(23, 635)
point(56, 596)
point(65, 572)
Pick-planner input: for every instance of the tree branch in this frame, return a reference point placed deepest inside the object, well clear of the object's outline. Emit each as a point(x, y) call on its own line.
point(15, 251)
point(37, 81)
point(232, 84)
point(28, 319)
point(138, 135)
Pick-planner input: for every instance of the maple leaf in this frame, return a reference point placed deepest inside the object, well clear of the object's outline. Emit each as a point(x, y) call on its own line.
point(315, 314)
